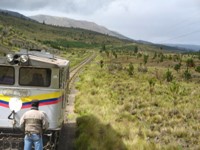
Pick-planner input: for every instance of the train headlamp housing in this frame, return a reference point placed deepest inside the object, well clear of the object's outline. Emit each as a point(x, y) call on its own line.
point(10, 57)
point(17, 59)
point(23, 58)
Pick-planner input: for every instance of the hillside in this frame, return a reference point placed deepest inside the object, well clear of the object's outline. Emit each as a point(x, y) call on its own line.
point(14, 14)
point(20, 33)
point(67, 22)
point(17, 32)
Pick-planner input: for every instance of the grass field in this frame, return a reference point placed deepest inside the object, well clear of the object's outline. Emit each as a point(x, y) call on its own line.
point(136, 112)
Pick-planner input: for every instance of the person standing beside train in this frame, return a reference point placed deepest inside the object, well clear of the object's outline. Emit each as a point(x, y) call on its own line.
point(34, 122)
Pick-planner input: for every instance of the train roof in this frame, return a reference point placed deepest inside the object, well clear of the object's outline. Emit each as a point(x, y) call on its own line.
point(42, 58)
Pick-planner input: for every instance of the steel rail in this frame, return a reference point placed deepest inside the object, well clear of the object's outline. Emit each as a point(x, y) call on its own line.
point(74, 71)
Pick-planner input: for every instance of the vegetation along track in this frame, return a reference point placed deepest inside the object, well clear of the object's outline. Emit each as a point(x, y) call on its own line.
point(76, 69)
point(68, 131)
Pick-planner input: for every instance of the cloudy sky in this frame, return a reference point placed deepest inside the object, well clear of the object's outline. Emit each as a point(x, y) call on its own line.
point(158, 21)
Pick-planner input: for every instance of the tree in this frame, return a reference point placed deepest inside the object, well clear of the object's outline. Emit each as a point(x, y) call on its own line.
point(152, 83)
point(177, 67)
point(197, 69)
point(190, 62)
point(169, 76)
point(101, 63)
point(187, 75)
point(107, 53)
point(139, 55)
point(155, 55)
point(115, 54)
point(136, 49)
point(145, 58)
point(130, 69)
point(162, 58)
point(103, 47)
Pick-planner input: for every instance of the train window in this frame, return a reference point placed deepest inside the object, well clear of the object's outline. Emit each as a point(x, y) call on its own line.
point(7, 75)
point(35, 76)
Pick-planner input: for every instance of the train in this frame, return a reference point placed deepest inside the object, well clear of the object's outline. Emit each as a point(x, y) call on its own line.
point(26, 75)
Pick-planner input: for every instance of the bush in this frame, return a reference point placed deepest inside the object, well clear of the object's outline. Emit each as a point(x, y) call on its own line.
point(101, 63)
point(145, 58)
point(197, 69)
point(142, 68)
point(130, 69)
point(177, 67)
point(190, 62)
point(169, 76)
point(152, 83)
point(136, 50)
point(155, 55)
point(187, 75)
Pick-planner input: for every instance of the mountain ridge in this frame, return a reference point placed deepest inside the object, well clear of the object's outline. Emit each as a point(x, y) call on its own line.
point(68, 22)
point(15, 14)
point(187, 47)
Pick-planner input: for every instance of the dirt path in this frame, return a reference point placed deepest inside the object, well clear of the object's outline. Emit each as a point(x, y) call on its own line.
point(68, 132)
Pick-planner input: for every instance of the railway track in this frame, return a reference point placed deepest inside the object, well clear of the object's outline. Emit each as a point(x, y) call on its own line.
point(67, 136)
point(75, 70)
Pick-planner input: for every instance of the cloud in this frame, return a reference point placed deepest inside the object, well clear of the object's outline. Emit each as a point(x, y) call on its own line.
point(85, 7)
point(154, 20)
point(68, 6)
point(23, 4)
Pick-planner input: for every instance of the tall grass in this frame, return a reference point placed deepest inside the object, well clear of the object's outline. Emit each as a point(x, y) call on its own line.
point(118, 111)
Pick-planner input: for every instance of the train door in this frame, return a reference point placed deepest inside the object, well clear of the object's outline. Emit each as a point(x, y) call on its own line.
point(63, 85)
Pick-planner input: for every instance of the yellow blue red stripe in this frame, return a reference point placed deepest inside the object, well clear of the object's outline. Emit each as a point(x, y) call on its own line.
point(44, 102)
point(45, 99)
point(3, 103)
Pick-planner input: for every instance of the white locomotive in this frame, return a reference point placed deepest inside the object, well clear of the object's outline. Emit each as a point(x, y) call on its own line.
point(27, 75)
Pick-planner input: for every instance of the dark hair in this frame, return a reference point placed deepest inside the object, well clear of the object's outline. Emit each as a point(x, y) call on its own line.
point(34, 103)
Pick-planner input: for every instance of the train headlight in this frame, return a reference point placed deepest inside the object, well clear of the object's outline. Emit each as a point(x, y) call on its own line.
point(15, 104)
point(23, 58)
point(9, 57)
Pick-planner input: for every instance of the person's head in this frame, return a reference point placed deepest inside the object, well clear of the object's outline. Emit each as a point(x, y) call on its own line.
point(35, 103)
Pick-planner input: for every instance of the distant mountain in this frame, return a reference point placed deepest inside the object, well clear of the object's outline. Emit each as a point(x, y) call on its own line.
point(67, 22)
point(14, 14)
point(187, 47)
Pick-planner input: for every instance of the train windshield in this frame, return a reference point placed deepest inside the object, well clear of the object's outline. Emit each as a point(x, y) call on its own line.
point(7, 75)
point(34, 76)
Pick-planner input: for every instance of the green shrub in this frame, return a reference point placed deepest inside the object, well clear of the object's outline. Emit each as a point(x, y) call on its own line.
point(197, 69)
point(177, 67)
point(145, 58)
point(130, 69)
point(190, 62)
point(155, 55)
point(168, 75)
point(101, 63)
point(187, 75)
point(152, 83)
